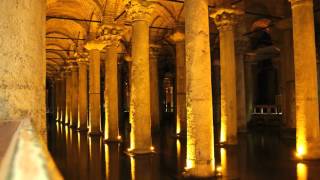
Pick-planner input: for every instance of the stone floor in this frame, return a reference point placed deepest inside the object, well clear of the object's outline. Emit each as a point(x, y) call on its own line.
point(259, 155)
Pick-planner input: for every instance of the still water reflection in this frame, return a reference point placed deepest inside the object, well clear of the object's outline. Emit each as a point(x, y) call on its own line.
point(259, 155)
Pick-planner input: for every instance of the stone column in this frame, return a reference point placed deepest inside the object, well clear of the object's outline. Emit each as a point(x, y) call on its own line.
point(94, 48)
point(23, 65)
point(140, 117)
point(307, 107)
point(287, 85)
point(225, 20)
point(200, 150)
point(57, 94)
point(63, 97)
point(154, 92)
point(75, 94)
point(111, 34)
point(83, 95)
point(249, 86)
point(68, 116)
point(111, 95)
point(181, 110)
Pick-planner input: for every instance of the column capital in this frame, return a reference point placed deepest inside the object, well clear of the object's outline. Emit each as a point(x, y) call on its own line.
point(177, 37)
point(226, 18)
point(139, 11)
point(300, 2)
point(83, 58)
point(95, 45)
point(110, 34)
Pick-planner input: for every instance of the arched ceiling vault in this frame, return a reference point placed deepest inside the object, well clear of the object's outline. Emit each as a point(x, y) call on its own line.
point(68, 24)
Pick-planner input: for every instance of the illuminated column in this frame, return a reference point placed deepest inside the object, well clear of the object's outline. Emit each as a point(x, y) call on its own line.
point(63, 97)
point(83, 94)
point(200, 150)
point(75, 94)
point(307, 107)
point(23, 62)
point(58, 83)
point(111, 95)
point(181, 110)
point(68, 116)
point(94, 48)
point(140, 117)
point(154, 92)
point(111, 35)
point(225, 20)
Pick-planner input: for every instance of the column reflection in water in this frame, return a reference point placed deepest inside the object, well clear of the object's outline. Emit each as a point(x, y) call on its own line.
point(181, 157)
point(69, 155)
point(112, 160)
point(74, 156)
point(84, 156)
point(95, 161)
point(141, 167)
point(228, 167)
point(302, 171)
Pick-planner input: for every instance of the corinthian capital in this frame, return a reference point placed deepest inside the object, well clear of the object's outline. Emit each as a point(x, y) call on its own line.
point(110, 34)
point(139, 10)
point(300, 2)
point(226, 18)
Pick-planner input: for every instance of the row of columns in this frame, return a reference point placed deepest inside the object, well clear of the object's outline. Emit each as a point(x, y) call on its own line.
point(194, 90)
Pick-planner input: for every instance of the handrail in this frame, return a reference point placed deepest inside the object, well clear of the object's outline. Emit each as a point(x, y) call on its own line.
point(27, 157)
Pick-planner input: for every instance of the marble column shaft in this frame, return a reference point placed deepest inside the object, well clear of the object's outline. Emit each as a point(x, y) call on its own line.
point(140, 114)
point(154, 93)
point(181, 108)
point(111, 95)
point(75, 96)
point(23, 63)
point(68, 116)
point(307, 107)
point(94, 92)
point(63, 99)
point(83, 96)
point(200, 149)
point(57, 94)
point(225, 20)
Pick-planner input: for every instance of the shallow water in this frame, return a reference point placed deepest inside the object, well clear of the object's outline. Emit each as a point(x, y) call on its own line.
point(258, 155)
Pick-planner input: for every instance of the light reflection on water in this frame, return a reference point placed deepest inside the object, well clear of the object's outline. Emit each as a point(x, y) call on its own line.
point(79, 156)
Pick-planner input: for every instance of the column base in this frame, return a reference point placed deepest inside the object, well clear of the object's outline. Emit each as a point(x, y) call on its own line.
point(73, 126)
point(200, 171)
point(82, 129)
point(65, 123)
point(313, 152)
point(95, 133)
point(112, 140)
point(181, 135)
point(135, 152)
point(231, 141)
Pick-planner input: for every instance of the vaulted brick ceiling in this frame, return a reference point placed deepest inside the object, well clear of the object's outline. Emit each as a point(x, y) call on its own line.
point(69, 34)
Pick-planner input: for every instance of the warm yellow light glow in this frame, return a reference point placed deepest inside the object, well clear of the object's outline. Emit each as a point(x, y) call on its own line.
point(106, 123)
point(223, 133)
point(119, 137)
point(133, 168)
point(152, 148)
point(190, 164)
point(90, 148)
point(178, 149)
point(178, 128)
point(107, 159)
point(302, 171)
point(219, 169)
point(301, 149)
point(223, 166)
